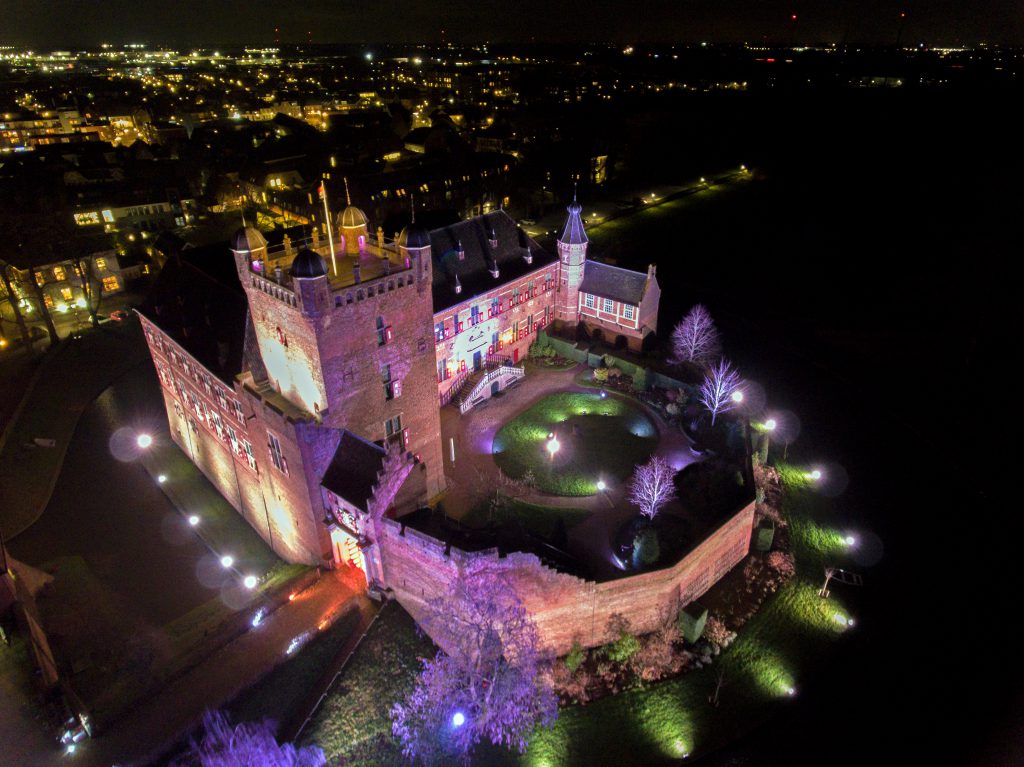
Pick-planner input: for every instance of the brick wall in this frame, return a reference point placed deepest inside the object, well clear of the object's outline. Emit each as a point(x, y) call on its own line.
point(565, 608)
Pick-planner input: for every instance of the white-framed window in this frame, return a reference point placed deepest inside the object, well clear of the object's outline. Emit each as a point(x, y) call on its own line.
point(627, 311)
point(588, 301)
point(249, 456)
point(609, 306)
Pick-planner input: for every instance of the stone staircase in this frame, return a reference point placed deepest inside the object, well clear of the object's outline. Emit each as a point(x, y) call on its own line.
point(477, 387)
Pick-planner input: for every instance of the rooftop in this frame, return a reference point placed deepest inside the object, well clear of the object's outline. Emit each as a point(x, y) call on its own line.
point(352, 473)
point(473, 268)
point(614, 282)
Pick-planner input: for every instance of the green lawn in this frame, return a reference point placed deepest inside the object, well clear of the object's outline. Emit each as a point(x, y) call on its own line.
point(542, 521)
point(353, 724)
point(598, 437)
point(787, 641)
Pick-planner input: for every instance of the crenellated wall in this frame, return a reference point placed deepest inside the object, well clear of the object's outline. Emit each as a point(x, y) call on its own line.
point(565, 608)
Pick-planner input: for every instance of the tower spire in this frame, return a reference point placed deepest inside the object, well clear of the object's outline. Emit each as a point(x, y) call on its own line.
point(348, 197)
point(412, 203)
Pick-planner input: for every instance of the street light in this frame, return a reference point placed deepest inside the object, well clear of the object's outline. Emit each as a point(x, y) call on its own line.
point(193, 520)
point(815, 475)
point(850, 540)
point(250, 581)
point(737, 397)
point(161, 478)
point(144, 440)
point(601, 485)
point(458, 719)
point(226, 561)
point(770, 424)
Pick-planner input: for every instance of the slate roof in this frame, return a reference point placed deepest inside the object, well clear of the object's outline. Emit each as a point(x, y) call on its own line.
point(352, 472)
point(474, 270)
point(613, 282)
point(574, 233)
point(205, 316)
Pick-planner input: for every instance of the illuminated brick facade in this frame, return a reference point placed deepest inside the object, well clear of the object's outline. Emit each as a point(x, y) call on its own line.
point(265, 386)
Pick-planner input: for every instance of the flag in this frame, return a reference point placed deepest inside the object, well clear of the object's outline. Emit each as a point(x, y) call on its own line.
point(320, 190)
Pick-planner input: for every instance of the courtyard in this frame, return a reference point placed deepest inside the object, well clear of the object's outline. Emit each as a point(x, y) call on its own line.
point(573, 497)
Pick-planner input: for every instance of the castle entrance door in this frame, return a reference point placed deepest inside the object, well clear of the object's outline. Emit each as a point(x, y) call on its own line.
point(477, 360)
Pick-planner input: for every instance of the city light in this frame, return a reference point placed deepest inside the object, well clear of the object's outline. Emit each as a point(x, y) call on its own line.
point(226, 561)
point(193, 520)
point(250, 581)
point(144, 440)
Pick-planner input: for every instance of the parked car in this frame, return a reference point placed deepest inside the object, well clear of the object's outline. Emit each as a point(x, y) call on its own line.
point(119, 315)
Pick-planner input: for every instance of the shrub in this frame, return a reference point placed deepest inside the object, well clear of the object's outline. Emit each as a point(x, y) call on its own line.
point(646, 549)
point(575, 657)
point(715, 631)
point(623, 648)
point(640, 380)
point(782, 563)
point(601, 374)
point(614, 373)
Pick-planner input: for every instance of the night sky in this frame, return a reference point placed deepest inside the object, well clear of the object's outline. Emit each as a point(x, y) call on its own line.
point(68, 23)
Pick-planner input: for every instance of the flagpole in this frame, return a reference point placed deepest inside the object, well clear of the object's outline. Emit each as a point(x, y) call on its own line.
point(327, 216)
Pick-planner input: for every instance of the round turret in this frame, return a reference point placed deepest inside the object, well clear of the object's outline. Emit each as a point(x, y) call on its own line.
point(414, 236)
point(248, 240)
point(308, 265)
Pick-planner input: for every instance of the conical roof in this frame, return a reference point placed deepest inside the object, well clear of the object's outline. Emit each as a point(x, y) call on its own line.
point(573, 232)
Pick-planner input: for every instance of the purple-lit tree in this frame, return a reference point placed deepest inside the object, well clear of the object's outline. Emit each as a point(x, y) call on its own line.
point(695, 338)
point(721, 386)
point(244, 745)
point(652, 486)
point(485, 683)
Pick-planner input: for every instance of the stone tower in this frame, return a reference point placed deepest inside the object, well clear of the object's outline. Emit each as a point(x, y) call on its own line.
point(572, 255)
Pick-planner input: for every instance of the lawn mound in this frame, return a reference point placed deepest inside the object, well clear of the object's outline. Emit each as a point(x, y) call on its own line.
point(599, 437)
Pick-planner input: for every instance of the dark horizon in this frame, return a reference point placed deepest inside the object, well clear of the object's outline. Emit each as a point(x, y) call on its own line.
point(942, 23)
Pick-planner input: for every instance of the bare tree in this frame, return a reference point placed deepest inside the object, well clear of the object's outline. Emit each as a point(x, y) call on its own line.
point(222, 744)
point(44, 312)
point(719, 392)
point(485, 684)
point(695, 338)
point(12, 298)
point(652, 486)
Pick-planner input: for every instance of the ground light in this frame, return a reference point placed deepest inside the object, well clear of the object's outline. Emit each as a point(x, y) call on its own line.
point(601, 485)
point(770, 424)
point(737, 396)
point(226, 561)
point(193, 520)
point(71, 749)
point(553, 446)
point(850, 540)
point(250, 581)
point(161, 478)
point(144, 440)
point(458, 719)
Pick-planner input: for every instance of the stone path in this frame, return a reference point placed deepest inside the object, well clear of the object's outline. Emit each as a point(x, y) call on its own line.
point(474, 475)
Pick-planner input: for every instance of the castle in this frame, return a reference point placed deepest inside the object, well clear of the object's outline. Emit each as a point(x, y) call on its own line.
point(311, 397)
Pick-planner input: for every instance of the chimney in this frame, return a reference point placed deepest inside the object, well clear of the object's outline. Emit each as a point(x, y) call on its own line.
point(651, 269)
point(527, 256)
point(492, 267)
point(462, 252)
point(458, 285)
point(492, 239)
